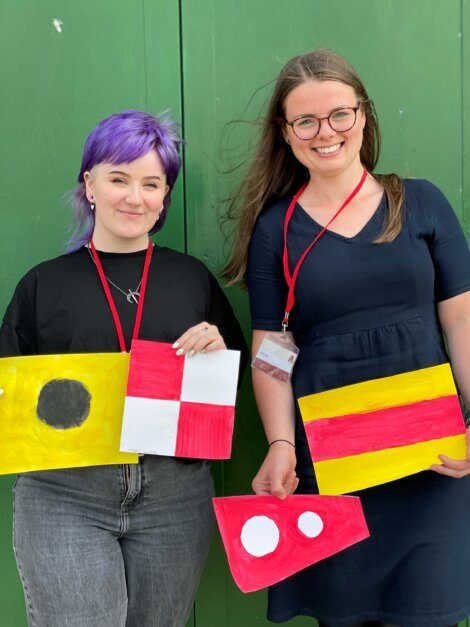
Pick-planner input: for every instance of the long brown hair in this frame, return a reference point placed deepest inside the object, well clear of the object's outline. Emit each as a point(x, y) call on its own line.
point(274, 172)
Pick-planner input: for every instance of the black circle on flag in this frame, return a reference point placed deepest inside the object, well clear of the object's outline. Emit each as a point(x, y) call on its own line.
point(63, 403)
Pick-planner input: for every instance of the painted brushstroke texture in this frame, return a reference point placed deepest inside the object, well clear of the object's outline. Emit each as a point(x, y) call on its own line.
point(343, 525)
point(391, 427)
point(205, 431)
point(180, 406)
point(155, 371)
point(29, 444)
point(377, 431)
point(356, 472)
point(401, 389)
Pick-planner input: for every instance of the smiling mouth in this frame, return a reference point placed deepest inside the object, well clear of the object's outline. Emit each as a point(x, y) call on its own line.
point(132, 214)
point(326, 150)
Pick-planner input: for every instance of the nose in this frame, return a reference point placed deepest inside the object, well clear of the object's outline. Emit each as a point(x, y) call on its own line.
point(325, 129)
point(134, 195)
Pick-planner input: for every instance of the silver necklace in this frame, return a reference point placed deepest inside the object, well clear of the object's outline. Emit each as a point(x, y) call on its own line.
point(132, 296)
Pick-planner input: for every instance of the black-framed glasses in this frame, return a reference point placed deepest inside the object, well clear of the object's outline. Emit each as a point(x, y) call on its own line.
point(340, 120)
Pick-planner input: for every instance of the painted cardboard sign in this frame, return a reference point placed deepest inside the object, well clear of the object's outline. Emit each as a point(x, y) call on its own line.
point(373, 432)
point(62, 411)
point(180, 406)
point(267, 540)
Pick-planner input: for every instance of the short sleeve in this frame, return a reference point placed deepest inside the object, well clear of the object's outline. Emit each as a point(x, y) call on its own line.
point(18, 330)
point(221, 314)
point(266, 284)
point(448, 246)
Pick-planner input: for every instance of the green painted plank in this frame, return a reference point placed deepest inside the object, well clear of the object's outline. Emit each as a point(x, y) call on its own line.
point(465, 33)
point(111, 55)
point(59, 87)
point(409, 57)
point(220, 75)
point(163, 93)
point(11, 593)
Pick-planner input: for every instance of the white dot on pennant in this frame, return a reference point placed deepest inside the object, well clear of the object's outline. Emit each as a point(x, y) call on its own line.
point(310, 524)
point(259, 536)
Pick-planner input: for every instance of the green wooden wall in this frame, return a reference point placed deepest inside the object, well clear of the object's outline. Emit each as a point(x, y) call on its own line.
point(205, 59)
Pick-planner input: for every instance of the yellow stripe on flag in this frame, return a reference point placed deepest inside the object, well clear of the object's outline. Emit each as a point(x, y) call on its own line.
point(400, 389)
point(356, 472)
point(27, 443)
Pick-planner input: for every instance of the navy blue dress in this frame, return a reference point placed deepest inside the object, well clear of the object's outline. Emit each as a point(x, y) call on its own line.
point(365, 311)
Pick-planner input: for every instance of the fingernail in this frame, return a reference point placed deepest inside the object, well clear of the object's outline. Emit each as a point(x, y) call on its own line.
point(180, 351)
point(175, 345)
point(203, 351)
point(191, 353)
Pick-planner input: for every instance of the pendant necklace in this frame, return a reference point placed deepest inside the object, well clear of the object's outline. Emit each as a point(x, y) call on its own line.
point(132, 296)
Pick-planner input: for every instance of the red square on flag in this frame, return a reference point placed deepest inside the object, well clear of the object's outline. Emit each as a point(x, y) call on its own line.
point(204, 431)
point(155, 371)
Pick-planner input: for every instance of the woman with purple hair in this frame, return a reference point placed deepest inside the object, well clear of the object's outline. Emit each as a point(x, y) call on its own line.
point(109, 546)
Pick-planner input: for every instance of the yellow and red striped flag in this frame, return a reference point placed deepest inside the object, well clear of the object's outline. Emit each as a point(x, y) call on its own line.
point(380, 430)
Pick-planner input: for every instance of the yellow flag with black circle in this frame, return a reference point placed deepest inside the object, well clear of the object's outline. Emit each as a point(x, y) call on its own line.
point(62, 411)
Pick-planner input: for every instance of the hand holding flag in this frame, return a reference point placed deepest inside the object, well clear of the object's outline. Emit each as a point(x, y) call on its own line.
point(456, 468)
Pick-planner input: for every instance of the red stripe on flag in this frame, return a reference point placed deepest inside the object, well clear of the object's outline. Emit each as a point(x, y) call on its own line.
point(331, 438)
point(204, 431)
point(155, 371)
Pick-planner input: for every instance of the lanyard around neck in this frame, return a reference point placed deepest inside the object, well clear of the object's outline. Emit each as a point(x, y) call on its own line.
point(291, 280)
point(112, 306)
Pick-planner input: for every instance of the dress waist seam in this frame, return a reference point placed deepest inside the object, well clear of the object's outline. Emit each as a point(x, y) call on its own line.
point(315, 333)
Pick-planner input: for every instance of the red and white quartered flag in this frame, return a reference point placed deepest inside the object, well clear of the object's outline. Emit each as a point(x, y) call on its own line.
point(177, 405)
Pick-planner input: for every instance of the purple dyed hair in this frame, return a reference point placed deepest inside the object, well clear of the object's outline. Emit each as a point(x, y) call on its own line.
point(122, 138)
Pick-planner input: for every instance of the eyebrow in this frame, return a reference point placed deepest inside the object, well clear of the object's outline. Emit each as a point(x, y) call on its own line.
point(314, 115)
point(153, 176)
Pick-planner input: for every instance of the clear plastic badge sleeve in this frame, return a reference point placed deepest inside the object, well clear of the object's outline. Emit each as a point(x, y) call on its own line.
point(276, 356)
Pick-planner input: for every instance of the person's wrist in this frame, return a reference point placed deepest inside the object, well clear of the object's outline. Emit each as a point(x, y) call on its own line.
point(281, 441)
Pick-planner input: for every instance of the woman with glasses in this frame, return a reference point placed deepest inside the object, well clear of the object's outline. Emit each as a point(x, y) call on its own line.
point(366, 273)
point(109, 546)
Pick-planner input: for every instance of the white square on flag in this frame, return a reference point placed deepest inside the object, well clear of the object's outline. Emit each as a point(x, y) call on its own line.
point(211, 378)
point(179, 406)
point(163, 430)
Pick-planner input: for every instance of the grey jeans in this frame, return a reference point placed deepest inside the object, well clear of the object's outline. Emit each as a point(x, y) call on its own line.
point(113, 546)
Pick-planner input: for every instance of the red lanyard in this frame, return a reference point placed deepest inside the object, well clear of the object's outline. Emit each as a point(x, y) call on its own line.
point(112, 306)
point(291, 280)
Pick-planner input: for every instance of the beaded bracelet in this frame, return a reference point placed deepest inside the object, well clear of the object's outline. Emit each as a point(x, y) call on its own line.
point(281, 440)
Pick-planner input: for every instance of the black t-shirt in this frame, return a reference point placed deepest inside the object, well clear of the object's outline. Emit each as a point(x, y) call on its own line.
point(60, 307)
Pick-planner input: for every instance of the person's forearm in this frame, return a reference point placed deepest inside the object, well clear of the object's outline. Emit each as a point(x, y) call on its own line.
point(275, 403)
point(274, 399)
point(454, 317)
point(458, 344)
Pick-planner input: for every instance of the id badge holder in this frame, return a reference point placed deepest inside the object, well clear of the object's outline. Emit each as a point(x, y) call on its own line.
point(276, 356)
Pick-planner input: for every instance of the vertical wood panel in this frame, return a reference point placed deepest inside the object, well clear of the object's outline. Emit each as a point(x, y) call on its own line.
point(409, 55)
point(465, 34)
point(110, 56)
